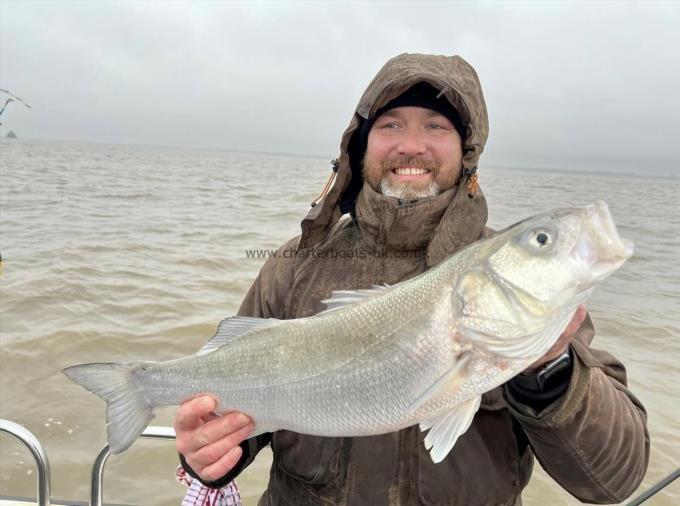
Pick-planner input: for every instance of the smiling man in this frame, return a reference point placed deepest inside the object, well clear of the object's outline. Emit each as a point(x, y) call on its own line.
point(405, 198)
point(414, 145)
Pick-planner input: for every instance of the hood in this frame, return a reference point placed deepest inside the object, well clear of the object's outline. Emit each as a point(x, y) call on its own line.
point(457, 81)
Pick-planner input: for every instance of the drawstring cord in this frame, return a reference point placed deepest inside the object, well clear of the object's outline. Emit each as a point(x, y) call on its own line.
point(471, 181)
point(329, 184)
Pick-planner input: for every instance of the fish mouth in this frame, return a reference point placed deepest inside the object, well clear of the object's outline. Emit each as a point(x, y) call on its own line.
point(599, 247)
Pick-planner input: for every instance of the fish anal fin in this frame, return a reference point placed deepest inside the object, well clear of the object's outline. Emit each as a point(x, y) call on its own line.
point(445, 430)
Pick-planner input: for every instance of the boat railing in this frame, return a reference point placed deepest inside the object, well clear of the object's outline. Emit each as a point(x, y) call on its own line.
point(157, 432)
point(39, 455)
point(97, 476)
point(655, 488)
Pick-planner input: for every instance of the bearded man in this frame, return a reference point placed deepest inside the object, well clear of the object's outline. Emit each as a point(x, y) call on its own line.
point(406, 197)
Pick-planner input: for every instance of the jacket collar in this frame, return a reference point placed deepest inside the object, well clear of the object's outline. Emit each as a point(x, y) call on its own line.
point(440, 225)
point(389, 223)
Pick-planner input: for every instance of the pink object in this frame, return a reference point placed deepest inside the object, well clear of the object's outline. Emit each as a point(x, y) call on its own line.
point(200, 495)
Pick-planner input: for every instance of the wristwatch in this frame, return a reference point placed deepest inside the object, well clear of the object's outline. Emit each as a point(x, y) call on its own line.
point(546, 375)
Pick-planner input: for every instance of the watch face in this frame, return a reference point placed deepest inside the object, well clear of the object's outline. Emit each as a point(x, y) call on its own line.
point(554, 370)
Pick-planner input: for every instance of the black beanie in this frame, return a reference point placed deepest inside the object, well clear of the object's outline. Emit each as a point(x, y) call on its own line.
point(419, 95)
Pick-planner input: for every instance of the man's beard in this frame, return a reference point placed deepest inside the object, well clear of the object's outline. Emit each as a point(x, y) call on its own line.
point(406, 191)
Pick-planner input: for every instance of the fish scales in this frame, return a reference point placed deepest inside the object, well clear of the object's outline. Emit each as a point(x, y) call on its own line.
point(377, 360)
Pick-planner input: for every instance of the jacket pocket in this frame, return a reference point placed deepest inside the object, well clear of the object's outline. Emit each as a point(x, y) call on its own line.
point(310, 459)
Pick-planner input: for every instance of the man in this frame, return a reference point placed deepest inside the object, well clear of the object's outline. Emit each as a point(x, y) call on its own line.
point(406, 179)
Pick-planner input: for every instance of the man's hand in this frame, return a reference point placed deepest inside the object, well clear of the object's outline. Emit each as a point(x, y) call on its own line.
point(210, 443)
point(562, 343)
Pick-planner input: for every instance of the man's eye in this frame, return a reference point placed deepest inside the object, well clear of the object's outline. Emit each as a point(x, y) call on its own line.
point(389, 125)
point(435, 126)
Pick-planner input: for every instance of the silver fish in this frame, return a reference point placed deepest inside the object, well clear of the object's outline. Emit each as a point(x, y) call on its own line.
point(378, 360)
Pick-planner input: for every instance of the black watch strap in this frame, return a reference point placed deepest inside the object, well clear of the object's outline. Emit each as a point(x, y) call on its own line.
point(545, 376)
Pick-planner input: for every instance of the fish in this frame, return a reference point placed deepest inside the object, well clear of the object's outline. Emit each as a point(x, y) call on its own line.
point(380, 359)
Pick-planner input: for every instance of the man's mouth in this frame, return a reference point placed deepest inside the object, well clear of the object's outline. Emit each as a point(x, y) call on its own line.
point(410, 171)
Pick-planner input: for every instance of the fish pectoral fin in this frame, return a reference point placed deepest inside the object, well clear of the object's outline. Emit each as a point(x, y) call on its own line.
point(235, 327)
point(445, 430)
point(446, 383)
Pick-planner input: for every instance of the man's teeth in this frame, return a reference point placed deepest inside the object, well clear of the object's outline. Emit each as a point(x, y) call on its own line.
point(408, 171)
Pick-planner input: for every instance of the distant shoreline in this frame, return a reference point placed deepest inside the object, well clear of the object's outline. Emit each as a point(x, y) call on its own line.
point(582, 172)
point(490, 166)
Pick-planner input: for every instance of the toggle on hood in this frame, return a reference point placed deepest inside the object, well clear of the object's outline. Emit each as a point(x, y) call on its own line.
point(456, 80)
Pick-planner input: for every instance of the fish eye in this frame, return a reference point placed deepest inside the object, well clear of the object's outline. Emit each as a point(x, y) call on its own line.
point(541, 238)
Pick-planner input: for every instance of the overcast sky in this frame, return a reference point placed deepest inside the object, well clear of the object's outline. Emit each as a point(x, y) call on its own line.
point(584, 86)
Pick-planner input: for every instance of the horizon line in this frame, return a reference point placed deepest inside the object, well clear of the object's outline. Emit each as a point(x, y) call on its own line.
point(530, 167)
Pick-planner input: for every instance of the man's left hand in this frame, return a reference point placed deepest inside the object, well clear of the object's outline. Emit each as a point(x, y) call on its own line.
point(562, 343)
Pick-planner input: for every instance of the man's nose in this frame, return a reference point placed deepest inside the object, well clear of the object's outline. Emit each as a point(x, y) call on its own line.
point(411, 143)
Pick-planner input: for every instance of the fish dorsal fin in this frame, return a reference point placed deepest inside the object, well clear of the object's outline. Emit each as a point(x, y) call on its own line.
point(233, 328)
point(342, 298)
point(445, 430)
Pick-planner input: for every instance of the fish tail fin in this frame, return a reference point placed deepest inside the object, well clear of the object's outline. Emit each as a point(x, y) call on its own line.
point(127, 411)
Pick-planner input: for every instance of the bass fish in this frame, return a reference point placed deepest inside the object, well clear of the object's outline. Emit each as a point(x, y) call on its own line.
point(378, 360)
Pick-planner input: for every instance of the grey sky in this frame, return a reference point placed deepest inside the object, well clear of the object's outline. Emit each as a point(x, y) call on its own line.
point(568, 85)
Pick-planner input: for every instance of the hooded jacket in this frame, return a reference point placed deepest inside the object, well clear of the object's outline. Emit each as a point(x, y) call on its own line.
point(592, 440)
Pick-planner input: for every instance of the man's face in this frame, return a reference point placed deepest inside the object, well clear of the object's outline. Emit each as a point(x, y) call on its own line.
point(412, 152)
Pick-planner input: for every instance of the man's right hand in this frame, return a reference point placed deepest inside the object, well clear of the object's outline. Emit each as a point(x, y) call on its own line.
point(210, 443)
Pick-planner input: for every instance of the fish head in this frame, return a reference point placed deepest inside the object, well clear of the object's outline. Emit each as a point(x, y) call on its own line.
point(533, 275)
point(559, 254)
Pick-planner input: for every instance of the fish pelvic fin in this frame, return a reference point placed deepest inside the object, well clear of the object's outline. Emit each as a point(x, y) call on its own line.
point(127, 411)
point(445, 430)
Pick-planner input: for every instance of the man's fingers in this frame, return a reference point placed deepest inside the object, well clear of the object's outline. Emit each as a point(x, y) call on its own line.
point(225, 464)
point(219, 428)
point(209, 417)
point(210, 454)
point(190, 414)
point(581, 314)
point(562, 344)
point(576, 321)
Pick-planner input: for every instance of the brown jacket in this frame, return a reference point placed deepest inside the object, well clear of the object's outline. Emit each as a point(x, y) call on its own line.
point(593, 440)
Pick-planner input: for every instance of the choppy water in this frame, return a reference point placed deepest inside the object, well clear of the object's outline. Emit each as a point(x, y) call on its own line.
point(113, 253)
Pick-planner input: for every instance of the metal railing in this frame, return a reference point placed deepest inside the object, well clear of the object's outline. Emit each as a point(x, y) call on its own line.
point(156, 432)
point(655, 488)
point(97, 477)
point(31, 442)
